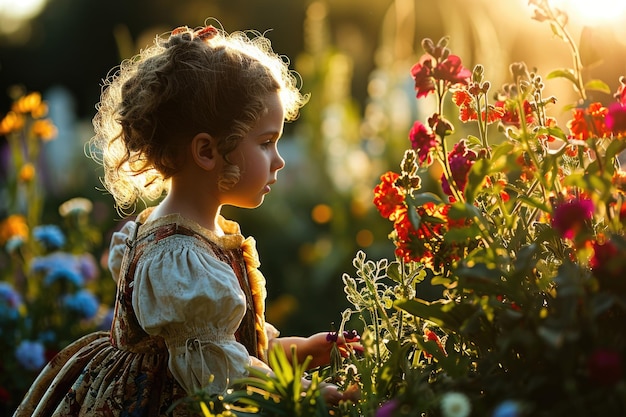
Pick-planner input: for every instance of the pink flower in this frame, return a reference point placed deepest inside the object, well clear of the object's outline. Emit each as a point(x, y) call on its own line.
point(605, 367)
point(616, 118)
point(422, 140)
point(570, 217)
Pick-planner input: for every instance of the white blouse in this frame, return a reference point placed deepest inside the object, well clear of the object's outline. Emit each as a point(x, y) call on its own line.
point(184, 294)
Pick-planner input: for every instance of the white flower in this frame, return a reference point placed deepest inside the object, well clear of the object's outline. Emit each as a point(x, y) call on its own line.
point(75, 205)
point(455, 404)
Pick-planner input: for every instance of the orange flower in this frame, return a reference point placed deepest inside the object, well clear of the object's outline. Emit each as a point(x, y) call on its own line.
point(27, 173)
point(44, 129)
point(388, 198)
point(13, 226)
point(589, 122)
point(29, 103)
point(11, 122)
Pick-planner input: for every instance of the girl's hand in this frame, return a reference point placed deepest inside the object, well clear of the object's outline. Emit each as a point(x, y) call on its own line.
point(320, 345)
point(332, 395)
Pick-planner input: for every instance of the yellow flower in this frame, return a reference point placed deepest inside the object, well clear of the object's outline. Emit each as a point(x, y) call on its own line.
point(12, 226)
point(28, 104)
point(27, 173)
point(12, 122)
point(44, 129)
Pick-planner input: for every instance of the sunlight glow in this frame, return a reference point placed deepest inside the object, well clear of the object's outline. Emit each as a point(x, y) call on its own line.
point(593, 11)
point(15, 13)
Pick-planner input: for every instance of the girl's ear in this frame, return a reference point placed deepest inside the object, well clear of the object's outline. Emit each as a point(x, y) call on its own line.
point(204, 151)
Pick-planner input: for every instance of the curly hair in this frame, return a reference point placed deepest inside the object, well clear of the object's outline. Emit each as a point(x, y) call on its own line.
point(187, 82)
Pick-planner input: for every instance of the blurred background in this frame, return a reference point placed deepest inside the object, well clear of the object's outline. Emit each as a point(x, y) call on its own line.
point(354, 58)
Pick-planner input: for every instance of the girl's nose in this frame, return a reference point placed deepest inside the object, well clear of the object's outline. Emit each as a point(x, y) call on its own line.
point(278, 162)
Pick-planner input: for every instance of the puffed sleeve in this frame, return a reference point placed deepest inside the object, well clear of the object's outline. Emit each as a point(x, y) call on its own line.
point(194, 301)
point(117, 248)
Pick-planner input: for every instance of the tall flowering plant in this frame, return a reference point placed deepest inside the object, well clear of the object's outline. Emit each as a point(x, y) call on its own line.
point(49, 292)
point(520, 227)
point(507, 294)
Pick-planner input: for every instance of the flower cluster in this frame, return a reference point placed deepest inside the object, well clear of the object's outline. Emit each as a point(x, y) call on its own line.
point(522, 235)
point(49, 287)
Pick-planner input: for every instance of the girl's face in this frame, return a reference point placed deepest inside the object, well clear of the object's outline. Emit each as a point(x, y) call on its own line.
point(257, 158)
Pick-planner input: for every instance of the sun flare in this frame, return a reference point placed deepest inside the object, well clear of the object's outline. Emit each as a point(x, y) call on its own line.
point(593, 11)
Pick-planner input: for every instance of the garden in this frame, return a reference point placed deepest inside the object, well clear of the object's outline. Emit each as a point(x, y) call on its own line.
point(489, 282)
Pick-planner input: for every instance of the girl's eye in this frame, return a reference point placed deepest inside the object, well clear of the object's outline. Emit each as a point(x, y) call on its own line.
point(267, 144)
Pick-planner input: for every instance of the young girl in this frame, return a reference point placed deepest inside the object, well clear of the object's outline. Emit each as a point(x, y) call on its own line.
point(196, 116)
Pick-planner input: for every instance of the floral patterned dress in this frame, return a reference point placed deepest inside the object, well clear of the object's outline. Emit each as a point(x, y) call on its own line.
point(189, 315)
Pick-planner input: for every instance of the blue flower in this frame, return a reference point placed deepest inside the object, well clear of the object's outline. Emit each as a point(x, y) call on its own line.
point(50, 236)
point(82, 303)
point(10, 302)
point(63, 275)
point(47, 336)
point(31, 355)
point(507, 409)
point(9, 297)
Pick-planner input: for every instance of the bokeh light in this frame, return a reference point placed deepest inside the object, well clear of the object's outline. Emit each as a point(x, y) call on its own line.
point(14, 14)
point(593, 11)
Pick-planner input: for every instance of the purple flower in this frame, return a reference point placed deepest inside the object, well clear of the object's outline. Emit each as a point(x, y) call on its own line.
point(107, 321)
point(83, 303)
point(87, 266)
point(31, 355)
point(50, 236)
point(387, 409)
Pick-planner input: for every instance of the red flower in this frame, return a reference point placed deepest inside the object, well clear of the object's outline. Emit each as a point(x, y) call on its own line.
point(422, 73)
point(388, 198)
point(570, 217)
point(608, 266)
point(5, 396)
point(427, 71)
point(423, 140)
point(605, 367)
point(429, 335)
point(616, 118)
point(452, 71)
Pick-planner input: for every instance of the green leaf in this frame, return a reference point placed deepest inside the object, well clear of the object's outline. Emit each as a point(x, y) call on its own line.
point(423, 198)
point(566, 73)
point(476, 178)
point(446, 314)
point(598, 85)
